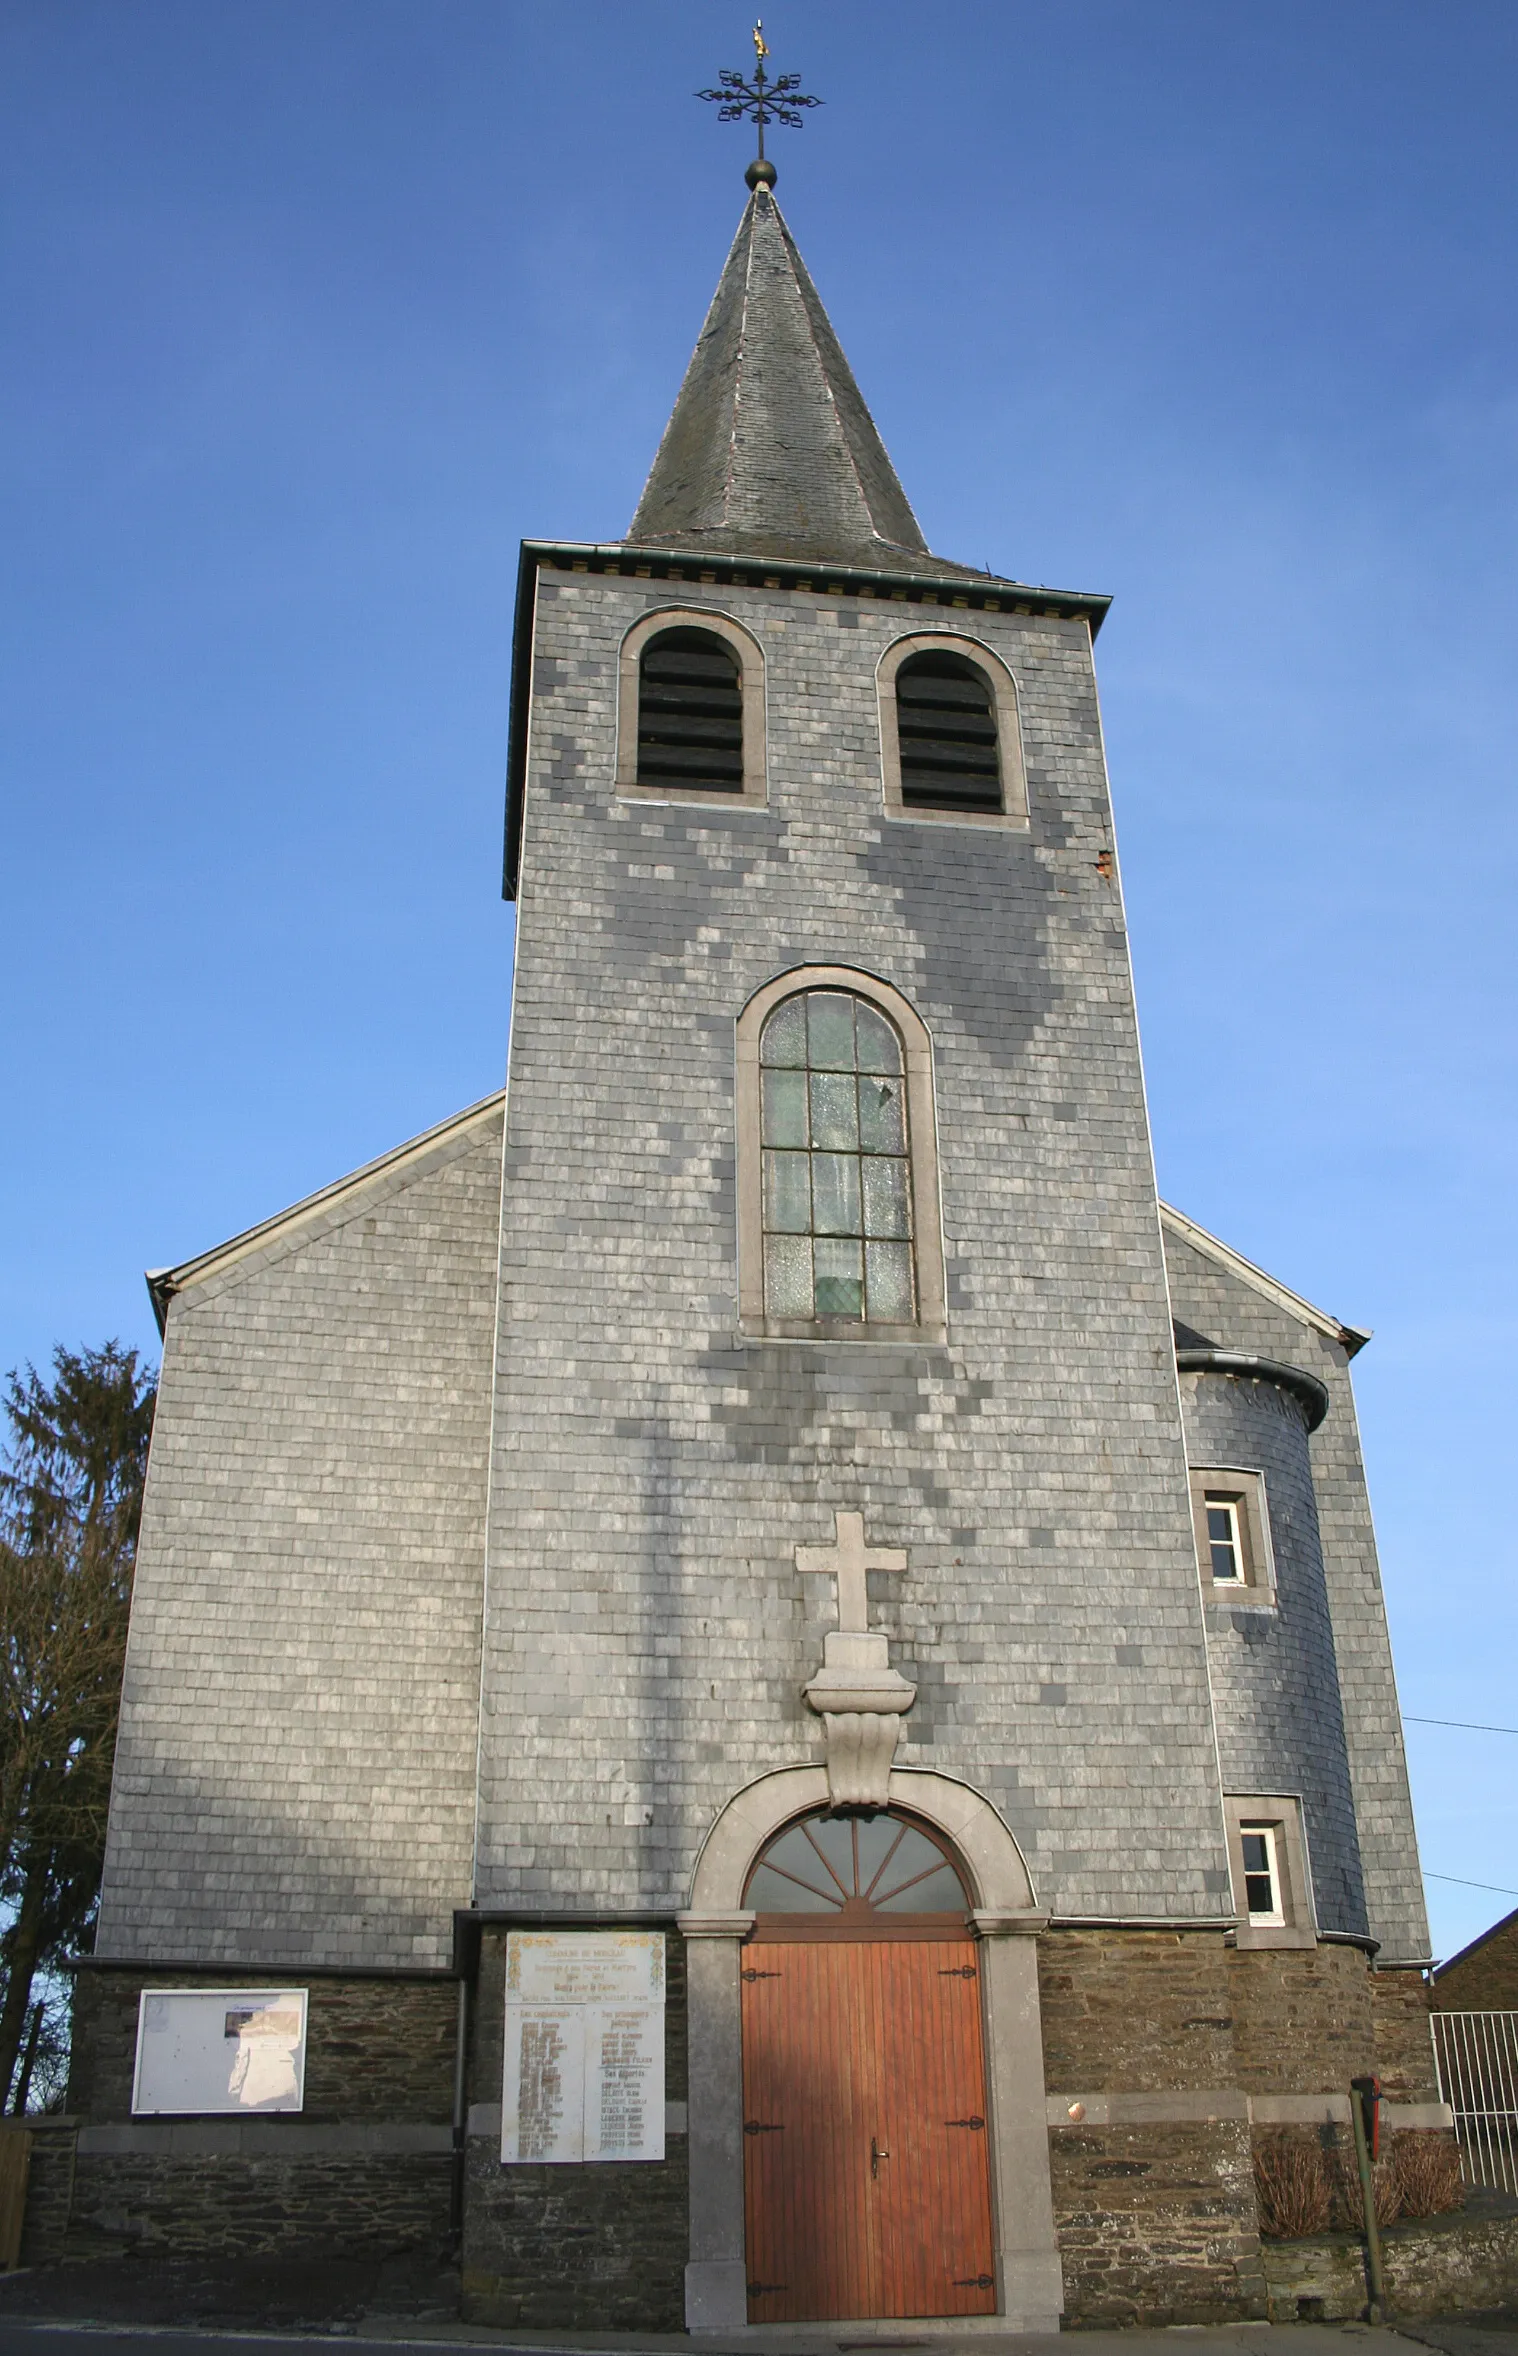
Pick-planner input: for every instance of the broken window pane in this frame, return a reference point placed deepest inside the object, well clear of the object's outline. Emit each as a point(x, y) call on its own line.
point(835, 1162)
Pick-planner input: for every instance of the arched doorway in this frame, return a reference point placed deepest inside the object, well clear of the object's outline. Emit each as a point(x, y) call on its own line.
point(867, 2174)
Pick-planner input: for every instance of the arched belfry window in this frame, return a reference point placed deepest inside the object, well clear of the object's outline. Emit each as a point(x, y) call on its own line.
point(946, 728)
point(951, 743)
point(838, 1197)
point(691, 710)
point(864, 1874)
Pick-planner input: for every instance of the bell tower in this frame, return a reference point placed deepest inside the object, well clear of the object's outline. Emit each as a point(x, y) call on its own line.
point(828, 1206)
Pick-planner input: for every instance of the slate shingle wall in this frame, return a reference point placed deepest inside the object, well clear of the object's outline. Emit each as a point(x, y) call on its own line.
point(1234, 1316)
point(1275, 1679)
point(648, 1632)
point(295, 1774)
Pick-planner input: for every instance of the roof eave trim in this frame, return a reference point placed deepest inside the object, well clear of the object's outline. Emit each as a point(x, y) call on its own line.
point(1350, 1338)
point(1014, 596)
point(165, 1283)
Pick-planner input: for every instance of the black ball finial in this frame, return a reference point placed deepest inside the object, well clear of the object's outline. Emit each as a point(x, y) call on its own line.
point(761, 174)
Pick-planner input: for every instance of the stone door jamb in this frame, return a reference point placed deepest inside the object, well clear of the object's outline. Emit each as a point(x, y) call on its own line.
point(1029, 2292)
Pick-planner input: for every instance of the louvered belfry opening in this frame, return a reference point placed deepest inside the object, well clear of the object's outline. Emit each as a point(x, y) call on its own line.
point(690, 713)
point(946, 729)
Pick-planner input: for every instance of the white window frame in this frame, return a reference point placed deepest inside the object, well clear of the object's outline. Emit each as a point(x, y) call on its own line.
point(1243, 1488)
point(1279, 1815)
point(1263, 1918)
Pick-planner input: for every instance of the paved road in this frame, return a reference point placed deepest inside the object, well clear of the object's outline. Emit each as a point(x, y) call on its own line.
point(58, 2338)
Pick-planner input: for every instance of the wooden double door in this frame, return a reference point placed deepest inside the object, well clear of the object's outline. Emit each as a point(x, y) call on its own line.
point(867, 2178)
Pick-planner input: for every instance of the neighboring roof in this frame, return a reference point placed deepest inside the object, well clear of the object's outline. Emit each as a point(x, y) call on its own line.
point(1509, 1922)
point(770, 450)
point(164, 1283)
point(1349, 1337)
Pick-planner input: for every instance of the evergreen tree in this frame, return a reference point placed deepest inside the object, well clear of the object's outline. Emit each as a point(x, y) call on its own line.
point(70, 1504)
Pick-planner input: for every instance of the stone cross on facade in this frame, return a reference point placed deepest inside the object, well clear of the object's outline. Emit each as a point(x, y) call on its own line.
point(848, 1558)
point(856, 1693)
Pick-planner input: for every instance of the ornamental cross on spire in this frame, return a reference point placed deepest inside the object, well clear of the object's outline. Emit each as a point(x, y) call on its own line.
point(763, 100)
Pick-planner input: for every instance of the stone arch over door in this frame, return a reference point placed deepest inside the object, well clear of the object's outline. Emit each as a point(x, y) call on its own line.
point(1006, 1919)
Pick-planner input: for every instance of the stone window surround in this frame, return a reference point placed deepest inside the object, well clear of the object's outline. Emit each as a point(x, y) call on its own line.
point(922, 1158)
point(1014, 780)
point(1029, 2288)
point(755, 792)
point(1256, 1591)
point(1282, 1811)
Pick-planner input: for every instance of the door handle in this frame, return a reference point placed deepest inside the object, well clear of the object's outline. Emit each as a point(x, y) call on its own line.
point(878, 2153)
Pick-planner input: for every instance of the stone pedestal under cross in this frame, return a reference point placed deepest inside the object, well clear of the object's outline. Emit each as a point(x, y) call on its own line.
point(859, 1697)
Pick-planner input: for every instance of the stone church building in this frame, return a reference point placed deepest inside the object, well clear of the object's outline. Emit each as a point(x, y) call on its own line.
point(772, 1503)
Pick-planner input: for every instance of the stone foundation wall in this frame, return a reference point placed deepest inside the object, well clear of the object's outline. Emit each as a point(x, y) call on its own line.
point(1156, 2224)
point(49, 2190)
point(375, 2048)
point(596, 2247)
point(1400, 2004)
point(1436, 2266)
point(1302, 2021)
point(1181, 2053)
point(365, 2168)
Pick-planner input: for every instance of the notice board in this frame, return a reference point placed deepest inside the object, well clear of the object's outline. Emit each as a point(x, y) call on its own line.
point(220, 2049)
point(584, 2075)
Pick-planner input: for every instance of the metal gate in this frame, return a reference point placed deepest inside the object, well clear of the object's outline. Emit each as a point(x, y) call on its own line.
point(1476, 2056)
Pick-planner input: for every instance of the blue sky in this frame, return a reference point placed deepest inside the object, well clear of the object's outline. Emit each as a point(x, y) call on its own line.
point(314, 309)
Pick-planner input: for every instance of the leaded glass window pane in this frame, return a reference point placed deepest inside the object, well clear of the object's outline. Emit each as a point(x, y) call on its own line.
point(830, 1031)
point(788, 1193)
point(785, 1034)
point(885, 1195)
point(880, 1116)
point(890, 1273)
point(833, 1104)
point(785, 1108)
point(835, 1194)
point(838, 1265)
point(835, 1112)
point(788, 1275)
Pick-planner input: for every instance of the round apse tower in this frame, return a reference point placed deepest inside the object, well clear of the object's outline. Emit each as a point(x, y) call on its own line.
point(1275, 1676)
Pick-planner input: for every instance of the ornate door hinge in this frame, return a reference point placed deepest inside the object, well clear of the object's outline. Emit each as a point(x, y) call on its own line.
point(756, 2290)
point(974, 2120)
point(959, 1971)
point(975, 2282)
point(755, 1975)
point(765, 2127)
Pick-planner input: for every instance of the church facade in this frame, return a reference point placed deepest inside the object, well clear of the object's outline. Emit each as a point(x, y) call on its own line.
point(772, 1505)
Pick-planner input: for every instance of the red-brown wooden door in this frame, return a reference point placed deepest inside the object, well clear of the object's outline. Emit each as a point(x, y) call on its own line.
point(866, 2163)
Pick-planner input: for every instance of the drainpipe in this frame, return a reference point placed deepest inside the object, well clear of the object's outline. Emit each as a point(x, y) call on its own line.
point(1365, 2112)
point(460, 2112)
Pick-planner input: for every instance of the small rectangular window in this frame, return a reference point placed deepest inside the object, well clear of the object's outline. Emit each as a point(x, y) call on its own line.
point(1231, 1518)
point(1225, 1539)
point(1262, 1876)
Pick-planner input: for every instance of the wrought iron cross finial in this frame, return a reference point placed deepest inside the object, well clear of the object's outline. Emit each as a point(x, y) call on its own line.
point(762, 100)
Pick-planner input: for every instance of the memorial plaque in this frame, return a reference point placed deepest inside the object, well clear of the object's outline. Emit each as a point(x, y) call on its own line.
point(220, 2049)
point(584, 2046)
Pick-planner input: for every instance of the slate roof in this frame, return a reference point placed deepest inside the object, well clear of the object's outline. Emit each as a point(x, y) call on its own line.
point(770, 450)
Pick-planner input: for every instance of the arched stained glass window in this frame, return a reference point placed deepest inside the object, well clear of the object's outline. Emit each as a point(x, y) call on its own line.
point(837, 1181)
point(846, 1868)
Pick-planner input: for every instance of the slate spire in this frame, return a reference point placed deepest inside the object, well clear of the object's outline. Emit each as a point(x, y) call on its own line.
point(770, 450)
